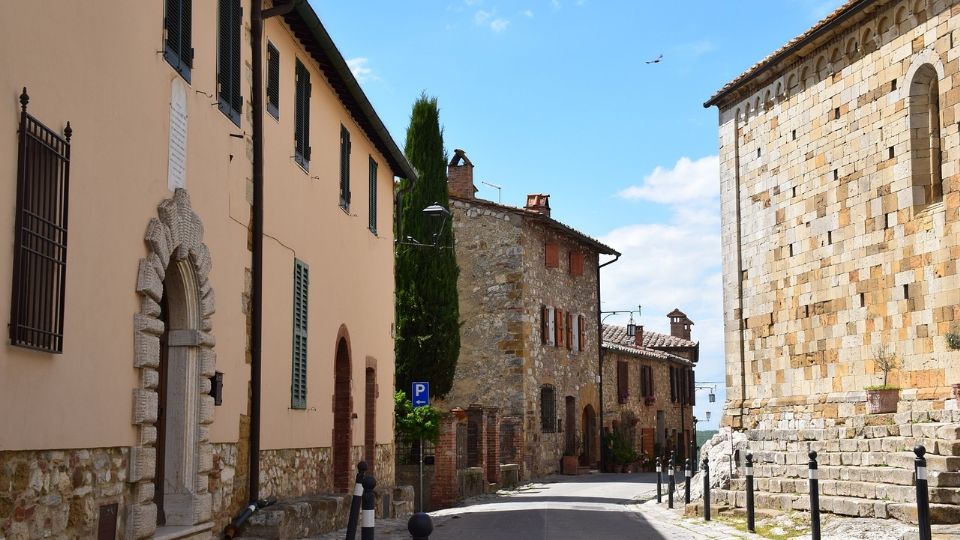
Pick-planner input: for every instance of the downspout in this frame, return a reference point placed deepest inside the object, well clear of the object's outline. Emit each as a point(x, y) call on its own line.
point(257, 16)
point(740, 320)
point(603, 464)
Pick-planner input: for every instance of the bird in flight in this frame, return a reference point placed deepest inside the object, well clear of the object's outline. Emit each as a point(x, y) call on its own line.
point(655, 60)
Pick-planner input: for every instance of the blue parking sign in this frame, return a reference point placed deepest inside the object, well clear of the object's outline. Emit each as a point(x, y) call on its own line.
point(421, 394)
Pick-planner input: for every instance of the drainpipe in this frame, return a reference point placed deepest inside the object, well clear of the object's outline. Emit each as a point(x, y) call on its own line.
point(603, 460)
point(257, 16)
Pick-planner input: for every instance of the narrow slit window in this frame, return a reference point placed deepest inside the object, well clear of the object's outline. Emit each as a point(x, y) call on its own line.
point(273, 81)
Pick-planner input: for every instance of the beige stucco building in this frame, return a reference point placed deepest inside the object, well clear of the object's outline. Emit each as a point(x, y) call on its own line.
point(133, 272)
point(839, 161)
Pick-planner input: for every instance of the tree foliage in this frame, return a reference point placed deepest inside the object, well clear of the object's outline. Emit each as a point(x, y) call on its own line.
point(428, 313)
point(415, 423)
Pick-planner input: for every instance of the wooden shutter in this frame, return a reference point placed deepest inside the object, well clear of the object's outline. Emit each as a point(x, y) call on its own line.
point(558, 339)
point(623, 384)
point(230, 100)
point(301, 121)
point(544, 324)
point(692, 387)
point(373, 195)
point(653, 388)
point(344, 167)
point(673, 384)
point(178, 48)
point(298, 384)
point(583, 331)
point(273, 80)
point(569, 331)
point(551, 255)
point(576, 263)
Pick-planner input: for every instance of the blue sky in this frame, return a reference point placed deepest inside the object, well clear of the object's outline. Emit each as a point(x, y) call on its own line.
point(555, 96)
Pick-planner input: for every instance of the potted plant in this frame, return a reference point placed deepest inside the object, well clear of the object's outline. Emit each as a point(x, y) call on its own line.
point(570, 462)
point(883, 398)
point(953, 343)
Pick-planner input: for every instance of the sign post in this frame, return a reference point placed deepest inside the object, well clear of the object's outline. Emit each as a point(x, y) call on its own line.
point(420, 398)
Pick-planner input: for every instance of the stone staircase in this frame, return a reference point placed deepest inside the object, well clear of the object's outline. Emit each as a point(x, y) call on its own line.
point(866, 466)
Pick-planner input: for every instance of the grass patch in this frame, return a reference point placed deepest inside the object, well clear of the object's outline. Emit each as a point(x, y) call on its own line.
point(783, 527)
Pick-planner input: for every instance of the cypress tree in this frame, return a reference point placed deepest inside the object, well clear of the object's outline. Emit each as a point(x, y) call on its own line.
point(428, 312)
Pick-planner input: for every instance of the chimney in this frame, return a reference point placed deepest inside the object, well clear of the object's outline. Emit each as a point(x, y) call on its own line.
point(638, 337)
point(460, 176)
point(679, 324)
point(538, 203)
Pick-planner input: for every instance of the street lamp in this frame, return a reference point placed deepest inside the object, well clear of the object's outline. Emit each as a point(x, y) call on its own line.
point(438, 219)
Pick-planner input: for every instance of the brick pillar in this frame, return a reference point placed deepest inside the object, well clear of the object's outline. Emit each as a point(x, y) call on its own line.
point(493, 444)
point(515, 441)
point(446, 488)
point(477, 447)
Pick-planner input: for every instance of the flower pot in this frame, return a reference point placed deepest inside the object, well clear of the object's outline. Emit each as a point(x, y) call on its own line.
point(569, 465)
point(882, 401)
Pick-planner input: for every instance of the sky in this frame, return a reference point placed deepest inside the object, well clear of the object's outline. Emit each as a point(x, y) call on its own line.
point(563, 97)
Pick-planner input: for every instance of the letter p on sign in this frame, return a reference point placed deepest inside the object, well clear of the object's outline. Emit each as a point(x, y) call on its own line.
point(421, 394)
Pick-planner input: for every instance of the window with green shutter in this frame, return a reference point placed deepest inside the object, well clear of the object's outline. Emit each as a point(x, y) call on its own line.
point(373, 196)
point(344, 168)
point(177, 47)
point(298, 379)
point(273, 81)
point(301, 120)
point(229, 99)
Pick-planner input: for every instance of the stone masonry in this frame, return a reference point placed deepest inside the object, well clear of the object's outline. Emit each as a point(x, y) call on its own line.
point(840, 202)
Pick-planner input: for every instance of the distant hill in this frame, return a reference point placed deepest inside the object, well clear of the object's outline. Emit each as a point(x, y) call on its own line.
point(704, 436)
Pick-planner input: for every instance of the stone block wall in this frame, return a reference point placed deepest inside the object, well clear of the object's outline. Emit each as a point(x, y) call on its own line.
point(840, 251)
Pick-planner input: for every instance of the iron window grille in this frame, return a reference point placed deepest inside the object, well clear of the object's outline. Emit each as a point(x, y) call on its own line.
point(177, 46)
point(548, 409)
point(40, 239)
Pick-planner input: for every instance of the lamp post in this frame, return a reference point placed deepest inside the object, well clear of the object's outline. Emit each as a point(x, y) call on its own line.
point(631, 332)
point(438, 218)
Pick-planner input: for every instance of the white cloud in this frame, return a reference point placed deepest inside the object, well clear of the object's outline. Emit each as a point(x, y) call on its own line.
point(481, 16)
point(675, 263)
point(358, 66)
point(688, 181)
point(528, 13)
point(499, 25)
point(490, 19)
point(555, 3)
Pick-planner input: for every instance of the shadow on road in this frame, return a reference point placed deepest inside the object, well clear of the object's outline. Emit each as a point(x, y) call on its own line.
point(546, 524)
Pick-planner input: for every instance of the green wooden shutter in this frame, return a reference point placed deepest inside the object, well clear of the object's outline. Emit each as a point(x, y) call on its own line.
point(298, 379)
point(273, 80)
point(301, 119)
point(178, 49)
point(373, 195)
point(228, 59)
point(344, 167)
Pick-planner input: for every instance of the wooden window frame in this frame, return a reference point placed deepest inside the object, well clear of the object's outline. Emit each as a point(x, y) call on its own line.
point(623, 381)
point(301, 295)
point(575, 262)
point(551, 255)
point(177, 43)
point(548, 409)
point(301, 121)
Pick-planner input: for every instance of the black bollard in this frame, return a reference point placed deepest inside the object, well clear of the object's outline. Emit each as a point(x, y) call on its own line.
point(369, 503)
point(814, 497)
point(705, 469)
point(686, 482)
point(420, 526)
point(923, 495)
point(659, 480)
point(749, 474)
point(356, 501)
point(670, 482)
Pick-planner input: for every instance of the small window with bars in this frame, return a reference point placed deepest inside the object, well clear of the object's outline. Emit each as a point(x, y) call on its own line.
point(229, 98)
point(298, 380)
point(301, 120)
point(40, 241)
point(344, 168)
point(273, 81)
point(548, 409)
point(177, 46)
point(372, 203)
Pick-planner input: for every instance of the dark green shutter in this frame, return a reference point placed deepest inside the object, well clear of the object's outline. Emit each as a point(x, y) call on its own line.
point(344, 167)
point(373, 195)
point(228, 61)
point(178, 50)
point(298, 379)
point(273, 80)
point(301, 121)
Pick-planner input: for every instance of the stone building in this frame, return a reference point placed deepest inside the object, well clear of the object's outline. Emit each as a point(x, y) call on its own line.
point(649, 387)
point(840, 193)
point(529, 340)
point(125, 383)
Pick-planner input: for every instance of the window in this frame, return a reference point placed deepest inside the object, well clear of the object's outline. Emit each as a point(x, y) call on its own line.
point(577, 331)
point(673, 385)
point(623, 382)
point(691, 388)
point(551, 255)
point(273, 81)
point(301, 120)
point(925, 144)
point(569, 329)
point(40, 237)
point(646, 382)
point(177, 48)
point(298, 382)
point(548, 409)
point(550, 325)
point(582, 338)
point(229, 99)
point(576, 263)
point(344, 168)
point(373, 196)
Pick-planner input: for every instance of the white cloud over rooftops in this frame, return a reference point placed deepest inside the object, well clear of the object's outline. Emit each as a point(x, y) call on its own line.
point(688, 181)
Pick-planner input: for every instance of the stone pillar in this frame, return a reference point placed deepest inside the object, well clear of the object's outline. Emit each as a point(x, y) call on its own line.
point(515, 443)
point(476, 445)
point(493, 444)
point(446, 488)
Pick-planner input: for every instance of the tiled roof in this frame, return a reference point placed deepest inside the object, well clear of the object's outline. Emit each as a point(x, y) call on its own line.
point(848, 8)
point(616, 338)
point(548, 221)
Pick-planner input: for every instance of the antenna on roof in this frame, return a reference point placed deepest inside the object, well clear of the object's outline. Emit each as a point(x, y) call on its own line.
point(494, 186)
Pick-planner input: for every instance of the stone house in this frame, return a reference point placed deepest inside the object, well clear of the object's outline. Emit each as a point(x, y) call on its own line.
point(132, 350)
point(649, 387)
point(840, 201)
point(529, 294)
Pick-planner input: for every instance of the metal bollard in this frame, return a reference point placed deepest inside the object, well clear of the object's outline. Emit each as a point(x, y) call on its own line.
point(670, 482)
point(686, 482)
point(369, 503)
point(749, 474)
point(705, 469)
point(419, 526)
point(356, 501)
point(814, 497)
point(659, 480)
point(923, 494)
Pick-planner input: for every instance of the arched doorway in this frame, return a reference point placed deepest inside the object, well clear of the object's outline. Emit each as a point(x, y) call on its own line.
point(370, 418)
point(570, 437)
point(342, 412)
point(591, 446)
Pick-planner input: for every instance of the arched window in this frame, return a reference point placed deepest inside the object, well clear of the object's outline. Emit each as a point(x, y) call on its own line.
point(925, 155)
point(548, 409)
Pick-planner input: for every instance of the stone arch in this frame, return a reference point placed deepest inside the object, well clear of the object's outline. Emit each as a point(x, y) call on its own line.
point(883, 25)
point(179, 261)
point(820, 68)
point(921, 58)
point(919, 11)
point(342, 412)
point(899, 18)
point(869, 41)
point(926, 135)
point(804, 77)
point(852, 49)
